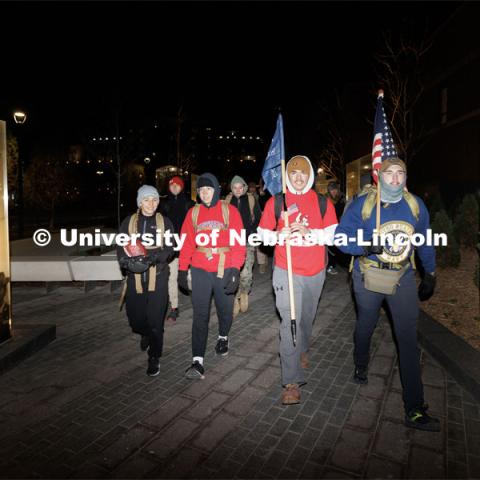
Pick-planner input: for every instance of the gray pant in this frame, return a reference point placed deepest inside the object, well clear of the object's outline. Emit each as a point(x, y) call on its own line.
point(307, 292)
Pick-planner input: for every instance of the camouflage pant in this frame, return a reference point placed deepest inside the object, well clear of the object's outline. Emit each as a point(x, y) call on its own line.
point(246, 275)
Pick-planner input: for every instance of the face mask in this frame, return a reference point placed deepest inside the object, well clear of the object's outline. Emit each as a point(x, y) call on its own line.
point(391, 193)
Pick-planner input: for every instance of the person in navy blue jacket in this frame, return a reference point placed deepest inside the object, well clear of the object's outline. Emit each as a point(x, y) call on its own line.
point(401, 213)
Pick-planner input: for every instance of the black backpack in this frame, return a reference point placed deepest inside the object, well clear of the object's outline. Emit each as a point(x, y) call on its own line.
point(278, 204)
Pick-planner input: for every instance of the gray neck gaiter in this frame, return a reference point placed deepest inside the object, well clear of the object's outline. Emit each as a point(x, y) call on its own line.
point(391, 193)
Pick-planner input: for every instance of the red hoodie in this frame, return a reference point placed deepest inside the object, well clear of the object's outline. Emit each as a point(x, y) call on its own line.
point(209, 218)
point(306, 260)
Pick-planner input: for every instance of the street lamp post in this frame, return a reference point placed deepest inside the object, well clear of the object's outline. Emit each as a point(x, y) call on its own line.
point(20, 117)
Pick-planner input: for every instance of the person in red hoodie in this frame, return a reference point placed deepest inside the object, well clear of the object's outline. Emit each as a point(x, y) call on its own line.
point(215, 267)
point(308, 265)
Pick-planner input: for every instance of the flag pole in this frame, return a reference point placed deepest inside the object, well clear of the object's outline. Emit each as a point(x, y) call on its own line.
point(293, 322)
point(380, 94)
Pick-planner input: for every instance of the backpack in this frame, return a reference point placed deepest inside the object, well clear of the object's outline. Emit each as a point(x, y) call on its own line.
point(225, 214)
point(371, 201)
point(278, 204)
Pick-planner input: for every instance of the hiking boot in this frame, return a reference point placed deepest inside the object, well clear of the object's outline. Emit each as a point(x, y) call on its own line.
point(262, 268)
point(153, 366)
point(291, 394)
point(172, 315)
point(304, 360)
point(144, 343)
point(236, 307)
point(360, 376)
point(195, 371)
point(418, 418)
point(243, 302)
point(331, 270)
point(221, 348)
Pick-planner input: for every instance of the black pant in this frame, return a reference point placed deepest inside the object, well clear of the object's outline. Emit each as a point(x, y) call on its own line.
point(404, 310)
point(146, 311)
point(203, 285)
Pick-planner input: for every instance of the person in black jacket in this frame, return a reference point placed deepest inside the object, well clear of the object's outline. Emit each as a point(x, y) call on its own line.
point(338, 199)
point(147, 276)
point(175, 208)
point(250, 212)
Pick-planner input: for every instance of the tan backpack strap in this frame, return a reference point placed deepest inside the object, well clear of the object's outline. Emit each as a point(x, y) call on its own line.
point(413, 204)
point(132, 224)
point(152, 277)
point(352, 261)
point(251, 204)
point(225, 214)
point(160, 226)
point(195, 213)
point(369, 203)
point(138, 283)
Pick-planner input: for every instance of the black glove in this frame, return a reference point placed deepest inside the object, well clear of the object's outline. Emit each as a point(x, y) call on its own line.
point(372, 250)
point(183, 280)
point(137, 264)
point(426, 287)
point(160, 256)
point(231, 280)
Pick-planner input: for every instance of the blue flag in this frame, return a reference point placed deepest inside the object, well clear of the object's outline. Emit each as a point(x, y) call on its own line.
point(272, 170)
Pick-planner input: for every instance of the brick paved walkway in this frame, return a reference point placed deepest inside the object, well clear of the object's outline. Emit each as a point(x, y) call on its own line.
point(84, 408)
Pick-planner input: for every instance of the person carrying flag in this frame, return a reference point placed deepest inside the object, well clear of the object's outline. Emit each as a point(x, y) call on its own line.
point(387, 273)
point(304, 210)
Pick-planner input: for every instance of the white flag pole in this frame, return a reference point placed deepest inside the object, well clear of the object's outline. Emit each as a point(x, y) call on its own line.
point(289, 262)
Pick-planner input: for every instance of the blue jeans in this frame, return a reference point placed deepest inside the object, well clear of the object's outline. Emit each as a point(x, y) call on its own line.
point(404, 310)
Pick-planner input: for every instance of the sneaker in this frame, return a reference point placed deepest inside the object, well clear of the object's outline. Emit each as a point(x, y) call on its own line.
point(418, 418)
point(360, 375)
point(144, 343)
point(172, 315)
point(291, 394)
point(195, 371)
point(221, 348)
point(331, 270)
point(153, 366)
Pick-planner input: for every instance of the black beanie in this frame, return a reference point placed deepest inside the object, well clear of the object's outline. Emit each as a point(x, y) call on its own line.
point(204, 181)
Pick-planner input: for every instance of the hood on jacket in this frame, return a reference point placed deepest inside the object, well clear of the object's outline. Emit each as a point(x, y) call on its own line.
point(209, 180)
point(302, 160)
point(239, 179)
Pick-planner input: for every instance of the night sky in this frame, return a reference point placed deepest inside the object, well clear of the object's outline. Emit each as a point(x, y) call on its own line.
point(232, 63)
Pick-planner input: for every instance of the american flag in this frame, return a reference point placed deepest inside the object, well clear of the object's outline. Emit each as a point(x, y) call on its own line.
point(383, 146)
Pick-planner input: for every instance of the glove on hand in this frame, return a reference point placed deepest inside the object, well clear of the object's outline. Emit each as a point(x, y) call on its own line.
point(138, 264)
point(183, 280)
point(161, 256)
point(231, 280)
point(373, 250)
point(426, 287)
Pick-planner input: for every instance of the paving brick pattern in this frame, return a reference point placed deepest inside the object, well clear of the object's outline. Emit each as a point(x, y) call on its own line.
point(83, 407)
